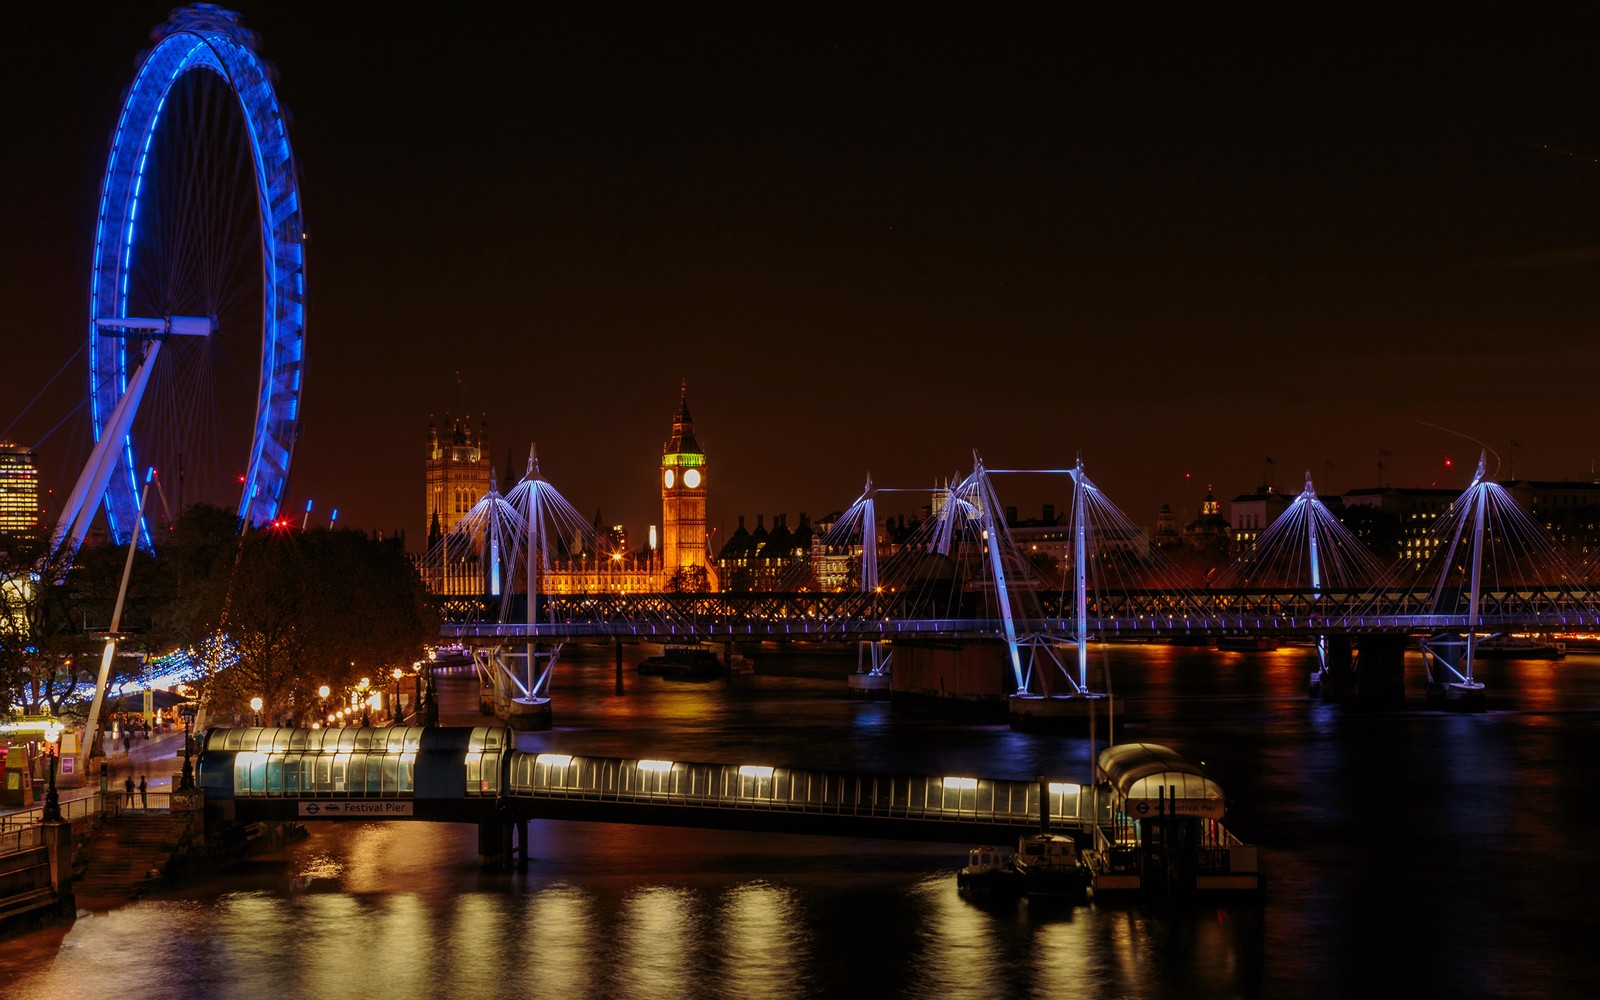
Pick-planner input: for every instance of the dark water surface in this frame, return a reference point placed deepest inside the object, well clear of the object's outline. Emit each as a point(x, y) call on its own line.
point(1407, 852)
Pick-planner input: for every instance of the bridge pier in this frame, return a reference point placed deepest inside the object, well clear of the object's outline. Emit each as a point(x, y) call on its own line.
point(495, 844)
point(1450, 682)
point(1381, 670)
point(529, 714)
point(1061, 713)
point(1369, 670)
point(874, 686)
point(1335, 680)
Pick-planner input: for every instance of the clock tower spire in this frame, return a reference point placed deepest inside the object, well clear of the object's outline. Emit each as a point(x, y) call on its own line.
point(685, 563)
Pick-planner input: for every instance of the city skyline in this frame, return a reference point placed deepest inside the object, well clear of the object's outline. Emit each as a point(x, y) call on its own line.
point(875, 244)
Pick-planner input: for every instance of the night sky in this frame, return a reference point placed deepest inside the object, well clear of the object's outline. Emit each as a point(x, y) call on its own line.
point(877, 237)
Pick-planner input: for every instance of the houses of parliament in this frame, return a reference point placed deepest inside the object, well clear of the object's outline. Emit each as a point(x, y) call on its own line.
point(459, 474)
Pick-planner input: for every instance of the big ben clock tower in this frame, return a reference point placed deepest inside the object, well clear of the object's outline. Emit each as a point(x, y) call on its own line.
point(684, 562)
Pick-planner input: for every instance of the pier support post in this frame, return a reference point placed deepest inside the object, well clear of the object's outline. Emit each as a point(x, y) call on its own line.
point(1381, 670)
point(494, 845)
point(1337, 681)
point(57, 836)
point(525, 715)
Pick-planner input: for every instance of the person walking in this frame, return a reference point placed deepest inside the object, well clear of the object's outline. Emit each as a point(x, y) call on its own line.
point(144, 800)
point(128, 786)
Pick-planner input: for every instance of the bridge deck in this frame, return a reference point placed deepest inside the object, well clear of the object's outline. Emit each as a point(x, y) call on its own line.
point(471, 776)
point(896, 806)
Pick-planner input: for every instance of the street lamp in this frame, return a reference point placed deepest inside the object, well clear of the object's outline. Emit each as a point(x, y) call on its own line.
point(394, 712)
point(52, 801)
point(187, 710)
point(255, 706)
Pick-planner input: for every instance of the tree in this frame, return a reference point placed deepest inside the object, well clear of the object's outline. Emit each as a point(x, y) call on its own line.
point(301, 610)
point(52, 626)
point(687, 580)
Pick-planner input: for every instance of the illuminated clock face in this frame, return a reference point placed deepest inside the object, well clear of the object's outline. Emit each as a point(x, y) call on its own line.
point(667, 478)
point(691, 478)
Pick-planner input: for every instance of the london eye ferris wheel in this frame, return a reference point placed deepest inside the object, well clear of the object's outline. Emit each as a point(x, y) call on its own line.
point(199, 260)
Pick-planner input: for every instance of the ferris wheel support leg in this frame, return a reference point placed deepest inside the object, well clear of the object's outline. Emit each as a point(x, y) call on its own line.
point(91, 726)
point(79, 509)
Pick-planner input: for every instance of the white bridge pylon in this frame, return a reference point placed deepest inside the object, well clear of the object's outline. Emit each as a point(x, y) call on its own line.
point(1036, 654)
point(872, 658)
point(78, 511)
point(551, 529)
point(1485, 530)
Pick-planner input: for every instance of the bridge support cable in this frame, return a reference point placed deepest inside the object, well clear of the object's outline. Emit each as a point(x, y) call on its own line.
point(1297, 559)
point(552, 531)
point(873, 661)
point(1486, 564)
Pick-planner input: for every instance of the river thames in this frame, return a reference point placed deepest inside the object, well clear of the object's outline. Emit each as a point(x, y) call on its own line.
point(1406, 851)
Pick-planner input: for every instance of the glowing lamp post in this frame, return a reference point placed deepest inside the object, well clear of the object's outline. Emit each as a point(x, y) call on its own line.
point(187, 711)
point(52, 801)
point(255, 706)
point(394, 709)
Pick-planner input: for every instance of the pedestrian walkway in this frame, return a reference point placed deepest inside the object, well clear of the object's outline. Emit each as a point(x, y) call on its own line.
point(159, 759)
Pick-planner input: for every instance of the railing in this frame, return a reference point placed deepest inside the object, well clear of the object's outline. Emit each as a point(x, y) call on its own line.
point(789, 790)
point(1125, 616)
point(20, 829)
point(152, 802)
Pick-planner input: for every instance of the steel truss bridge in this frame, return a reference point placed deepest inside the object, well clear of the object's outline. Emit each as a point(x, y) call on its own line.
point(1134, 615)
point(964, 578)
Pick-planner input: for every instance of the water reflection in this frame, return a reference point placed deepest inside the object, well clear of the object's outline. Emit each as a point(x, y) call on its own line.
point(562, 938)
point(765, 944)
point(659, 935)
point(960, 955)
point(1454, 848)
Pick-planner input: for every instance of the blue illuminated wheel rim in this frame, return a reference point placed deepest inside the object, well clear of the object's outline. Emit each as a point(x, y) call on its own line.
point(203, 38)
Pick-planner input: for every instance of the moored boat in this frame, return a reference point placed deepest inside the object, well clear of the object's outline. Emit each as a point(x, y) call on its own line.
point(990, 873)
point(683, 663)
point(1247, 643)
point(1050, 866)
point(1502, 646)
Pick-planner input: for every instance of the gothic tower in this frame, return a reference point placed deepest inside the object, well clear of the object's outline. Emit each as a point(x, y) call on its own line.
point(684, 560)
point(457, 473)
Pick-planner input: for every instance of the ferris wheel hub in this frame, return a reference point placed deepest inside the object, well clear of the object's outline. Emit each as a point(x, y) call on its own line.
point(183, 326)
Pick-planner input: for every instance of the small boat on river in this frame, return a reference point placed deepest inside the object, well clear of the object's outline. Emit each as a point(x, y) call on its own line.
point(1247, 643)
point(990, 873)
point(1043, 865)
point(1050, 866)
point(683, 663)
point(1502, 646)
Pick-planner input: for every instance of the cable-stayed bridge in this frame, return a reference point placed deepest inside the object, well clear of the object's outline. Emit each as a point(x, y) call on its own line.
point(962, 577)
